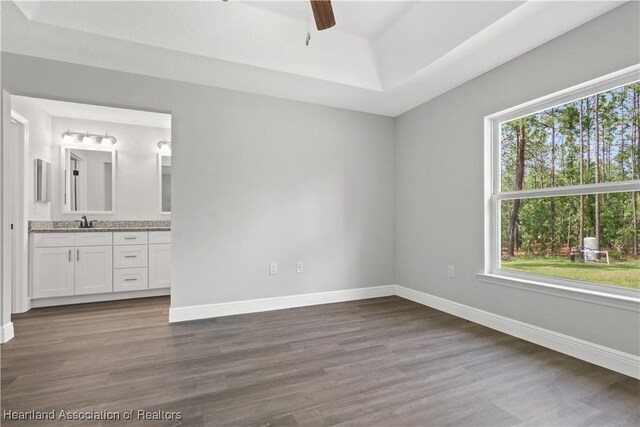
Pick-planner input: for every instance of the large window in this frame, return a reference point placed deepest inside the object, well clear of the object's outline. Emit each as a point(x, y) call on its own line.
point(564, 195)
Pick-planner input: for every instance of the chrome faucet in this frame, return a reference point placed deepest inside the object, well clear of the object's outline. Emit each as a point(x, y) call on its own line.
point(84, 223)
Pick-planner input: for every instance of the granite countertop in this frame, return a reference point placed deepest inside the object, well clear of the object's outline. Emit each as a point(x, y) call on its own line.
point(99, 226)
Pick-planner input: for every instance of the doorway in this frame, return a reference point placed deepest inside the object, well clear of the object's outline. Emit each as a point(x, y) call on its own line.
point(18, 241)
point(103, 164)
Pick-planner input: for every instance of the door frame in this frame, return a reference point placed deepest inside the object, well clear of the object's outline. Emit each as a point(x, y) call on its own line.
point(20, 301)
point(6, 327)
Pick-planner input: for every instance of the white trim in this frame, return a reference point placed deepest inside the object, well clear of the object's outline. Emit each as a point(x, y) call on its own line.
point(603, 291)
point(491, 219)
point(5, 220)
point(616, 297)
point(493, 194)
point(625, 363)
point(182, 314)
point(19, 291)
point(81, 299)
point(572, 190)
point(6, 333)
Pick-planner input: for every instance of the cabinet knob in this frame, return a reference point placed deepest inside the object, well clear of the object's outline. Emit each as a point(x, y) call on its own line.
point(69, 255)
point(77, 254)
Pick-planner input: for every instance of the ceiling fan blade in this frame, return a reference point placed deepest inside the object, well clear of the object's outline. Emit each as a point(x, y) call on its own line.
point(323, 14)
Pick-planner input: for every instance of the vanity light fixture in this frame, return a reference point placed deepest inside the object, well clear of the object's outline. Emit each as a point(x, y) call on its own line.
point(107, 140)
point(164, 146)
point(69, 137)
point(89, 139)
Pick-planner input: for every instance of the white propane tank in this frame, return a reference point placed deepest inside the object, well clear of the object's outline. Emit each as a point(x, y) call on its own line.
point(591, 243)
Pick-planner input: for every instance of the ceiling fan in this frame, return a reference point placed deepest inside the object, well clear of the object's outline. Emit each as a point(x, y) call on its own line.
point(323, 14)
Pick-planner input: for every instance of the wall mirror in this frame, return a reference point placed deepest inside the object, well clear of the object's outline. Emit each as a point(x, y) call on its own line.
point(41, 180)
point(164, 168)
point(89, 177)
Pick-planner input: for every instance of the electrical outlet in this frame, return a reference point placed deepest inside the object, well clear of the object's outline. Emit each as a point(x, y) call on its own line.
point(273, 268)
point(451, 271)
point(299, 267)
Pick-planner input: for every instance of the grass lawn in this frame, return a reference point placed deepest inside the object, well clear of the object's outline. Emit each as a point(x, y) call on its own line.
point(624, 274)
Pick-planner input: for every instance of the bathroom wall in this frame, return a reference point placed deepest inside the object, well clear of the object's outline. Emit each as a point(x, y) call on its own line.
point(137, 177)
point(39, 148)
point(137, 180)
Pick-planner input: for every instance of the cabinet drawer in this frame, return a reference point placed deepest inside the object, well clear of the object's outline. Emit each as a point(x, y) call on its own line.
point(159, 237)
point(93, 239)
point(130, 279)
point(130, 238)
point(52, 240)
point(129, 256)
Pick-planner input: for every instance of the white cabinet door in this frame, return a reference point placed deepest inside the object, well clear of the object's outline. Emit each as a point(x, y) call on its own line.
point(52, 272)
point(94, 270)
point(159, 266)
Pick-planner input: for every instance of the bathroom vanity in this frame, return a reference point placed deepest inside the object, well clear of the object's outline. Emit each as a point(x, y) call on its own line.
point(96, 264)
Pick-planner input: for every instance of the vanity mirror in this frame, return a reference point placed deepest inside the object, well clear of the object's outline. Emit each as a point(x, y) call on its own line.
point(41, 180)
point(164, 172)
point(89, 177)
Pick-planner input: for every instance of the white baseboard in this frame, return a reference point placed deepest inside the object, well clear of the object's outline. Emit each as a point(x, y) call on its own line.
point(6, 332)
point(112, 296)
point(609, 358)
point(181, 314)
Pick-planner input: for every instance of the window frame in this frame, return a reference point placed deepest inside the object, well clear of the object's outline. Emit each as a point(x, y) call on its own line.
point(494, 195)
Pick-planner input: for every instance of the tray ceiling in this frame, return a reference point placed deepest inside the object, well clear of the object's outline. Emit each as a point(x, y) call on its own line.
point(382, 57)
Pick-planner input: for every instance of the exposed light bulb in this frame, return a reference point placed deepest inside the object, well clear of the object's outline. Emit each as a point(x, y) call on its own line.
point(165, 147)
point(68, 138)
point(88, 139)
point(107, 140)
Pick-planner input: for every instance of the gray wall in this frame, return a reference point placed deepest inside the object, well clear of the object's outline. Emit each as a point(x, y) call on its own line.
point(439, 180)
point(255, 180)
point(39, 148)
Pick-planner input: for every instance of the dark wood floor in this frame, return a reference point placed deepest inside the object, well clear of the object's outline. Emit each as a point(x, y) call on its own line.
point(383, 362)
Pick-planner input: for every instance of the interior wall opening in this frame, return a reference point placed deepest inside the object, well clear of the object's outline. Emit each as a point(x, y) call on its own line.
point(90, 196)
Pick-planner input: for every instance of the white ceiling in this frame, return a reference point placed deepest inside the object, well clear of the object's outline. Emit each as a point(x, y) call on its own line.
point(377, 16)
point(383, 57)
point(76, 110)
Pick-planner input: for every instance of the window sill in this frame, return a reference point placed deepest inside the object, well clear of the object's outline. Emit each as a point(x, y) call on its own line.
point(624, 302)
